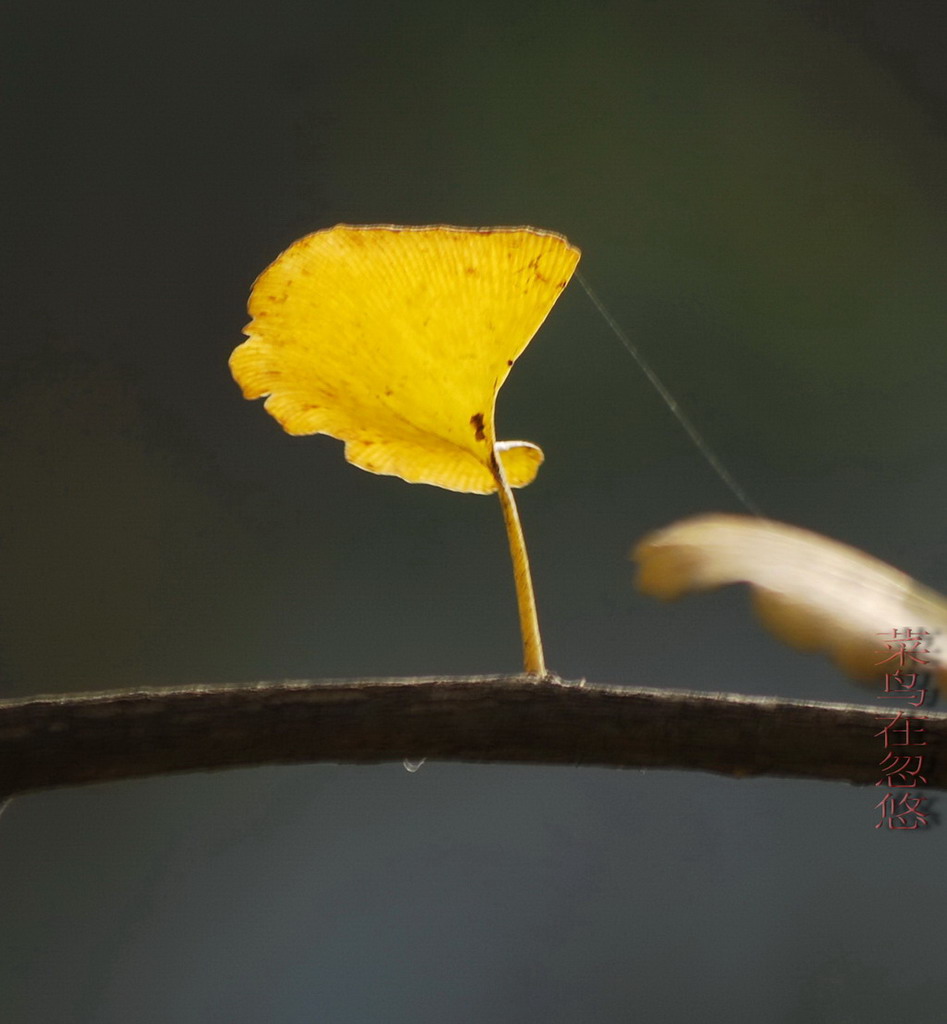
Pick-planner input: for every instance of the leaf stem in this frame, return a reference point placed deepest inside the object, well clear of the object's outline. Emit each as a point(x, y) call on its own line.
point(533, 661)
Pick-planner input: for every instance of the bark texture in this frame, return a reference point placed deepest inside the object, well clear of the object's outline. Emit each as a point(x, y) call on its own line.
point(55, 741)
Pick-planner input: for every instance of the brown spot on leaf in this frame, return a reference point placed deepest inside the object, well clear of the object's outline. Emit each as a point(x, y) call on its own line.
point(533, 265)
point(477, 422)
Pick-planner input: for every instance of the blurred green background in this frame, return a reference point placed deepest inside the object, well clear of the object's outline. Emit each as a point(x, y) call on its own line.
point(758, 191)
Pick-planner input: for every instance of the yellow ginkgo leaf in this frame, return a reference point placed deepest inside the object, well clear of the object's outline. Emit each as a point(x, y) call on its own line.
point(813, 593)
point(397, 339)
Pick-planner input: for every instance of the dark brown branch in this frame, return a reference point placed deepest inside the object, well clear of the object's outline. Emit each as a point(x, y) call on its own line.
point(69, 740)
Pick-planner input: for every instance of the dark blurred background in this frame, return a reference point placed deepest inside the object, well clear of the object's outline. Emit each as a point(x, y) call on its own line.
point(758, 190)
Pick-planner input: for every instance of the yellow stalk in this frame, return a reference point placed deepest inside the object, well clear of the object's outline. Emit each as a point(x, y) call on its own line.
point(533, 662)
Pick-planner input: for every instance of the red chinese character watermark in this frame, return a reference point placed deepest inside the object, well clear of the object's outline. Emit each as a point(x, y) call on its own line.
point(903, 686)
point(901, 732)
point(908, 633)
point(902, 812)
point(901, 656)
point(902, 771)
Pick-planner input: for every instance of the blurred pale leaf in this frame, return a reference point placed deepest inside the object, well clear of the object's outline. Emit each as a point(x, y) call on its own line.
point(813, 593)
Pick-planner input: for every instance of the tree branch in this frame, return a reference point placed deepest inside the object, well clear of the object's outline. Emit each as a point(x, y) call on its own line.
point(53, 741)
